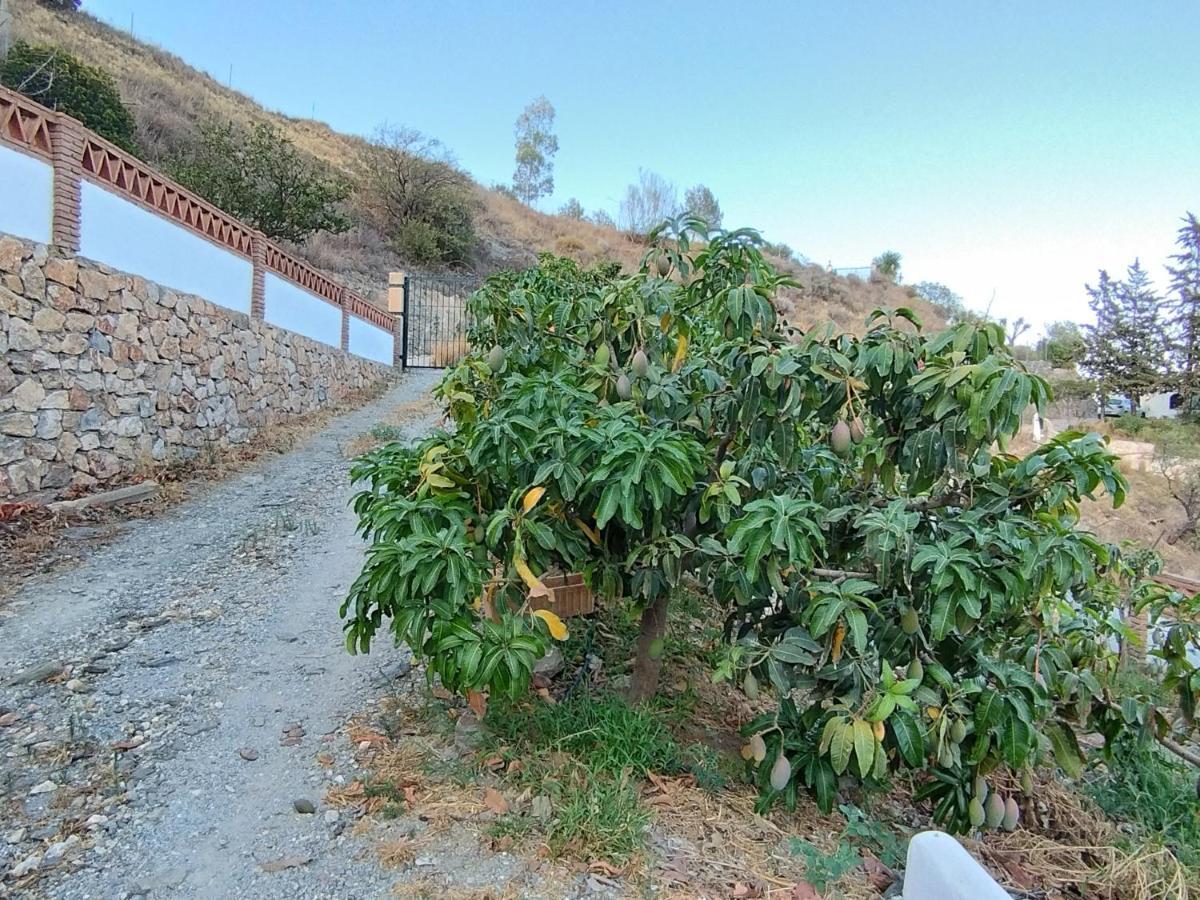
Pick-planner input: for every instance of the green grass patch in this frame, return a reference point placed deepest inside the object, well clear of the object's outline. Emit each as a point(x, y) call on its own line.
point(587, 756)
point(1144, 787)
point(604, 733)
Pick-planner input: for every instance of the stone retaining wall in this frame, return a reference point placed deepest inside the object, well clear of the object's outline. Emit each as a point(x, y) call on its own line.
point(102, 372)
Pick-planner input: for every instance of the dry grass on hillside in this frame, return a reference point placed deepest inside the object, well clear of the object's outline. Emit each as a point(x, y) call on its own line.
point(169, 99)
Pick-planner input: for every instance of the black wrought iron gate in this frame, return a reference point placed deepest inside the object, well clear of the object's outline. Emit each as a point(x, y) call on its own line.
point(434, 330)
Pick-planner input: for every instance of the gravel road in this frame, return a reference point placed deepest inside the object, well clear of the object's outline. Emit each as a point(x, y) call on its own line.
point(168, 704)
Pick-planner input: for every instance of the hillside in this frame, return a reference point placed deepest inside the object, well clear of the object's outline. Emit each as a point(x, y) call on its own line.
point(170, 99)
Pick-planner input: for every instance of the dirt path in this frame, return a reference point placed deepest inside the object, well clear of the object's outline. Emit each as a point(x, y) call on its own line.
point(205, 645)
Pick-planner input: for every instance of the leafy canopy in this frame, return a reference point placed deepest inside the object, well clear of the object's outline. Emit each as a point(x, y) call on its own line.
point(910, 593)
point(55, 78)
point(259, 176)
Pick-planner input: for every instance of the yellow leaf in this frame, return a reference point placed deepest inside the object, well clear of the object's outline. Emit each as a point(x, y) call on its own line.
point(532, 496)
point(680, 353)
point(438, 481)
point(879, 731)
point(592, 534)
point(839, 635)
point(558, 630)
point(664, 322)
point(933, 712)
point(536, 588)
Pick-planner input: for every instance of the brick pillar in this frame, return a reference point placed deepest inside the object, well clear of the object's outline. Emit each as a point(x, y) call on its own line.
point(258, 278)
point(67, 141)
point(344, 302)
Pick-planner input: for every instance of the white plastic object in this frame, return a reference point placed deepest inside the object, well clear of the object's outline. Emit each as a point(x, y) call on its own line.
point(939, 868)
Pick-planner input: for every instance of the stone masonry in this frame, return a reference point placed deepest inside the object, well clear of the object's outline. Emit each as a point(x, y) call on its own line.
point(103, 372)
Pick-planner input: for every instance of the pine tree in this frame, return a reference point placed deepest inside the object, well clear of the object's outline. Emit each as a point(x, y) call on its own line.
point(1142, 338)
point(1101, 359)
point(1126, 347)
point(1183, 309)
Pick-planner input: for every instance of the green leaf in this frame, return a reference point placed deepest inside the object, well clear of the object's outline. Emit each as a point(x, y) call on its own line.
point(909, 739)
point(841, 746)
point(864, 746)
point(1066, 748)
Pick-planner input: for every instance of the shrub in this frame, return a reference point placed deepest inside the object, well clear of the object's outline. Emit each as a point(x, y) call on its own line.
point(261, 178)
point(910, 594)
point(417, 197)
point(56, 79)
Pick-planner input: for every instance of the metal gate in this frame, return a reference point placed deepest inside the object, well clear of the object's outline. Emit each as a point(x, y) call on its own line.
point(434, 329)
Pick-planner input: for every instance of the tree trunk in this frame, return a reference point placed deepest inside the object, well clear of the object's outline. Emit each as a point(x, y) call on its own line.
point(647, 665)
point(1180, 531)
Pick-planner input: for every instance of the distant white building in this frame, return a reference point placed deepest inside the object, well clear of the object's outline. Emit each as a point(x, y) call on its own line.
point(1163, 405)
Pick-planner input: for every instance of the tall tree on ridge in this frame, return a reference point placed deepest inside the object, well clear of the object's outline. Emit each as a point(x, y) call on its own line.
point(536, 146)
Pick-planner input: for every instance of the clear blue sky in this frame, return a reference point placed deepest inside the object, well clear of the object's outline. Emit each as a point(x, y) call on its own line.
point(1006, 149)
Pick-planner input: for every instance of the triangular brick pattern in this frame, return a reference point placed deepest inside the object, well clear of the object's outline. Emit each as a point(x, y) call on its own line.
point(116, 168)
point(24, 125)
point(357, 306)
point(304, 275)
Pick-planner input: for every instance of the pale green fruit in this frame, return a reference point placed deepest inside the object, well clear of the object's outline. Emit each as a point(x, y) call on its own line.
point(975, 813)
point(981, 788)
point(495, 358)
point(1012, 815)
point(640, 364)
point(781, 773)
point(857, 430)
point(624, 388)
point(909, 622)
point(750, 686)
point(758, 748)
point(995, 811)
point(958, 731)
point(602, 356)
point(664, 265)
point(916, 671)
point(839, 438)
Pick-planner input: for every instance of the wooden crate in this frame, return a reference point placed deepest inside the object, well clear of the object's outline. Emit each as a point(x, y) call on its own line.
point(569, 596)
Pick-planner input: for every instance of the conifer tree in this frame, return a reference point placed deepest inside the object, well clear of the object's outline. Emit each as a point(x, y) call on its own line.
point(1183, 308)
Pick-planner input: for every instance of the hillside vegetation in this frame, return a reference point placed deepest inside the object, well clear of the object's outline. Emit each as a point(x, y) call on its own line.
point(171, 100)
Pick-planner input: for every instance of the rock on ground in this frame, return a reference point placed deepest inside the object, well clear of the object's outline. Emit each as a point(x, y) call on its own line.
point(198, 690)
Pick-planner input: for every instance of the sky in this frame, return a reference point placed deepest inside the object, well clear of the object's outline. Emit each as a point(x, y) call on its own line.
point(1008, 150)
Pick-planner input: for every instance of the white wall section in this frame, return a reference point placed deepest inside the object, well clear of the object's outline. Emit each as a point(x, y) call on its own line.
point(292, 307)
point(370, 341)
point(128, 237)
point(26, 195)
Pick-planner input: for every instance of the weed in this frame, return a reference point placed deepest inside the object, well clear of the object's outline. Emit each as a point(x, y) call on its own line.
point(1145, 788)
point(598, 818)
point(822, 869)
point(605, 733)
point(889, 848)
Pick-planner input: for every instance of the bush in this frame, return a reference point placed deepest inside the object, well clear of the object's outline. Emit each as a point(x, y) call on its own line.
point(261, 178)
point(910, 594)
point(56, 79)
point(417, 197)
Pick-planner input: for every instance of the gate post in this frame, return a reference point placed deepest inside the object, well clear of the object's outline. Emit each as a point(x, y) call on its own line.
point(398, 307)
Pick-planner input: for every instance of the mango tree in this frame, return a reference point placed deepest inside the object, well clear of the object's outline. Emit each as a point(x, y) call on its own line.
point(909, 592)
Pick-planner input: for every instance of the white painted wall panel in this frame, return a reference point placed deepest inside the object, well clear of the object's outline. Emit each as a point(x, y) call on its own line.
point(290, 306)
point(26, 195)
point(370, 341)
point(121, 234)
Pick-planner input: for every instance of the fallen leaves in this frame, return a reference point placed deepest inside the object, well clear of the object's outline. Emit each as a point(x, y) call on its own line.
point(494, 801)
